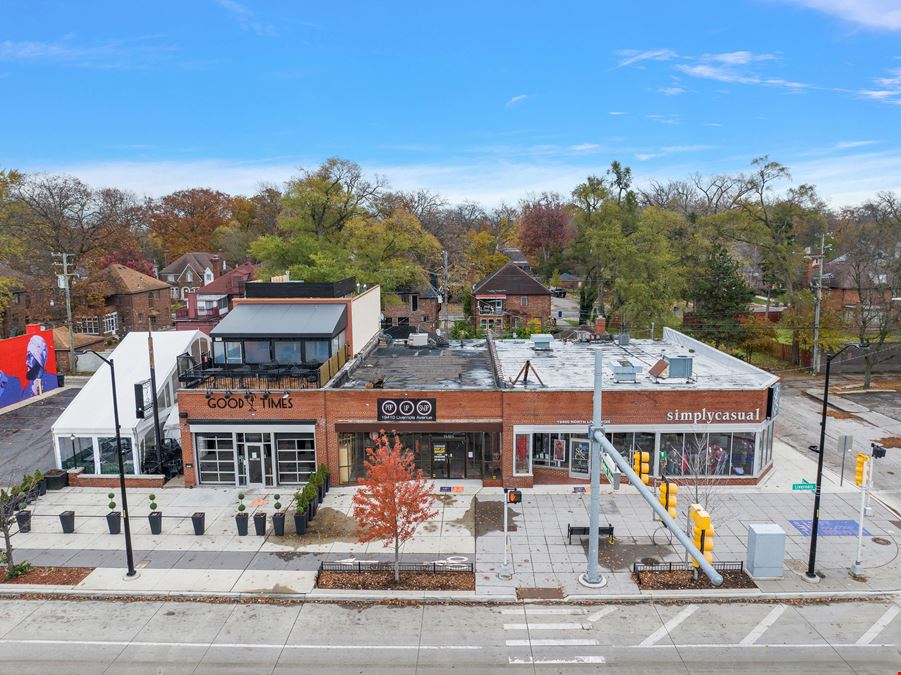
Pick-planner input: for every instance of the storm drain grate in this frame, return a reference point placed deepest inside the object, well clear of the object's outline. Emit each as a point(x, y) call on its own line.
point(882, 541)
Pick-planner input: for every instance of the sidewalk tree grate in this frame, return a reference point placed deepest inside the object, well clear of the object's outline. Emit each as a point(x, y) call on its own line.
point(638, 568)
point(362, 567)
point(548, 593)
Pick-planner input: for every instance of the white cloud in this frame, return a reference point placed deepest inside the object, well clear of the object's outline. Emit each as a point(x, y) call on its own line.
point(645, 156)
point(878, 14)
point(516, 100)
point(631, 56)
point(110, 54)
point(713, 124)
point(889, 88)
point(844, 145)
point(664, 119)
point(739, 58)
point(672, 91)
point(616, 113)
point(246, 18)
point(585, 147)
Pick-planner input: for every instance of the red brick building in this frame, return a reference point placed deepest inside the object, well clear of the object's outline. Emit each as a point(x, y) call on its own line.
point(206, 306)
point(191, 271)
point(130, 297)
point(417, 307)
point(508, 299)
point(476, 411)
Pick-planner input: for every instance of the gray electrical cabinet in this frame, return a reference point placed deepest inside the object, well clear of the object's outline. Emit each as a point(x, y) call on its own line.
point(679, 366)
point(766, 551)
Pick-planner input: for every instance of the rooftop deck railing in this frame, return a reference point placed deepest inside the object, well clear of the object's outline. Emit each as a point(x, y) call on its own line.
point(251, 377)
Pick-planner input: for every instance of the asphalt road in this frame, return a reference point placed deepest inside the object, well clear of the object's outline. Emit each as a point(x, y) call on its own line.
point(176, 637)
point(25, 441)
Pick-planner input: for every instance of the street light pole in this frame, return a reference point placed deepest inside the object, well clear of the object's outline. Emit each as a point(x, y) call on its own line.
point(129, 555)
point(811, 562)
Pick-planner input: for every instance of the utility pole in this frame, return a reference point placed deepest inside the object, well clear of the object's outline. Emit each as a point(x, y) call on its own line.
point(593, 577)
point(156, 412)
point(67, 287)
point(816, 316)
point(446, 297)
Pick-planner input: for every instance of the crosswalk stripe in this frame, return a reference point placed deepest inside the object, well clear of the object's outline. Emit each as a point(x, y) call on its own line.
point(547, 626)
point(543, 610)
point(575, 660)
point(765, 623)
point(879, 626)
point(604, 612)
point(670, 625)
point(552, 643)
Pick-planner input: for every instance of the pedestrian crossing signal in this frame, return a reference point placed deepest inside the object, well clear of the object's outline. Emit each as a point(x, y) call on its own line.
point(514, 496)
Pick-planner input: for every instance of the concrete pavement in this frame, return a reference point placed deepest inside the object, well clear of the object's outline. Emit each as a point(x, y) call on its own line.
point(25, 440)
point(185, 637)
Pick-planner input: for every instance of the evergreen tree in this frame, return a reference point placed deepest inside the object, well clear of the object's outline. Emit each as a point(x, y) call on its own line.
point(720, 296)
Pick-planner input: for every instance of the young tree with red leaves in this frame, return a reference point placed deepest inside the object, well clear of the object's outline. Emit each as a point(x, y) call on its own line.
point(394, 498)
point(544, 228)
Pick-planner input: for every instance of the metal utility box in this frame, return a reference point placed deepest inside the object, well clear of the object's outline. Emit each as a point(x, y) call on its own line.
point(679, 366)
point(622, 339)
point(766, 551)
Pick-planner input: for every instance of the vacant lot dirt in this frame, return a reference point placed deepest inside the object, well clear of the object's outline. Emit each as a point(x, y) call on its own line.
point(682, 581)
point(409, 581)
point(63, 576)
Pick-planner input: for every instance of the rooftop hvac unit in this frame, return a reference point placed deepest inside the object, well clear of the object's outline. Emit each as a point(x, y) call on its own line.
point(419, 339)
point(622, 339)
point(541, 342)
point(679, 366)
point(625, 371)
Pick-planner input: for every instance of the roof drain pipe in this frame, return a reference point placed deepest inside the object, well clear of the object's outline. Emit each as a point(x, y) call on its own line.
point(606, 447)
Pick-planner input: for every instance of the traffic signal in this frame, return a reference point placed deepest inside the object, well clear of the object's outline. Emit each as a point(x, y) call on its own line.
point(667, 497)
point(702, 531)
point(861, 469)
point(641, 464)
point(514, 496)
point(878, 450)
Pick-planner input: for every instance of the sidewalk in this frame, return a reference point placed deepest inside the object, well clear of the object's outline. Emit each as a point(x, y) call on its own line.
point(468, 524)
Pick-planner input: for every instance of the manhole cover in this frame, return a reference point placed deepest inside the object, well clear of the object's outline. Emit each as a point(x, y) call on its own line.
point(882, 541)
point(553, 593)
point(650, 561)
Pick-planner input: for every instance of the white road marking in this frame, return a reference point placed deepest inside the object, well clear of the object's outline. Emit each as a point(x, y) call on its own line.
point(720, 645)
point(574, 661)
point(879, 626)
point(765, 623)
point(604, 612)
point(552, 643)
point(547, 626)
point(670, 625)
point(543, 610)
point(230, 645)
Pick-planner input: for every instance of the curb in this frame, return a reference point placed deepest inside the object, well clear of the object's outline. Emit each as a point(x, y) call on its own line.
point(447, 597)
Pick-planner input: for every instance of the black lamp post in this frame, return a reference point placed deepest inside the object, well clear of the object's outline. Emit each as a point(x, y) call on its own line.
point(129, 556)
point(811, 563)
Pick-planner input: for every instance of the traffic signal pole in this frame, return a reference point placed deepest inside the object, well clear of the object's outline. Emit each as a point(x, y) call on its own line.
point(593, 577)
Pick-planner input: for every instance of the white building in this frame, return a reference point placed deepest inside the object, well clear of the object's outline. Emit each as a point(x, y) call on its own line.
point(84, 435)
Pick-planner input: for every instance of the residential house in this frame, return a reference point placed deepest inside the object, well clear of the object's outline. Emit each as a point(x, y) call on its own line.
point(131, 297)
point(206, 306)
point(508, 299)
point(15, 316)
point(418, 307)
point(192, 271)
point(82, 341)
point(517, 257)
point(840, 288)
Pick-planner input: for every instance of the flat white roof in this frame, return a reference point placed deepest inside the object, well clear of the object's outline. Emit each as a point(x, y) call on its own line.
point(91, 412)
point(570, 365)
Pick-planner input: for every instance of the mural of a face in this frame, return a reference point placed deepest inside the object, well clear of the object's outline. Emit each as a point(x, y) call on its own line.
point(35, 357)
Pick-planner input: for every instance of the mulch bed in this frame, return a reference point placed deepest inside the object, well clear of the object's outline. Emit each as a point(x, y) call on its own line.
point(63, 576)
point(409, 581)
point(683, 581)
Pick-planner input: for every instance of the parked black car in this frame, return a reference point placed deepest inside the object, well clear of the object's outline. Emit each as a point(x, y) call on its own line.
point(558, 292)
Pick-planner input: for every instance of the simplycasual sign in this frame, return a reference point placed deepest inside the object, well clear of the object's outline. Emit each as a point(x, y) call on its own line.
point(704, 416)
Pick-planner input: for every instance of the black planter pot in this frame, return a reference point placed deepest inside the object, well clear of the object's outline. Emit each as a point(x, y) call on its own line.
point(56, 479)
point(156, 522)
point(241, 522)
point(23, 519)
point(198, 520)
point(312, 508)
point(42, 487)
point(114, 521)
point(278, 524)
point(67, 520)
point(327, 477)
point(320, 493)
point(300, 522)
point(259, 524)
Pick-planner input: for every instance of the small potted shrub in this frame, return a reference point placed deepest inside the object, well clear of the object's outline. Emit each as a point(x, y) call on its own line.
point(259, 523)
point(301, 511)
point(41, 482)
point(56, 479)
point(198, 520)
point(241, 516)
point(311, 493)
point(323, 469)
point(317, 482)
point(23, 518)
point(113, 518)
point(67, 520)
point(155, 517)
point(278, 518)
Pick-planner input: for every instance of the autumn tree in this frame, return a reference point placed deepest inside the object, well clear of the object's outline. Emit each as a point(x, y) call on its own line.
point(800, 319)
point(186, 220)
point(720, 296)
point(544, 229)
point(757, 333)
point(251, 218)
point(394, 498)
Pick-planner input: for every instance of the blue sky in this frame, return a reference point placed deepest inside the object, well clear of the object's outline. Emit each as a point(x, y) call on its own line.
point(476, 100)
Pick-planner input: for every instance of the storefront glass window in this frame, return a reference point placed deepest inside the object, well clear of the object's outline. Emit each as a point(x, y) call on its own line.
point(671, 456)
point(287, 352)
point(580, 456)
point(296, 457)
point(550, 449)
point(522, 465)
point(216, 458)
point(109, 462)
point(743, 454)
point(316, 351)
point(77, 452)
point(256, 351)
point(233, 352)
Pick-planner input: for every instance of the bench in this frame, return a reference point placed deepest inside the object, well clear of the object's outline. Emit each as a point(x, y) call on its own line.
point(583, 530)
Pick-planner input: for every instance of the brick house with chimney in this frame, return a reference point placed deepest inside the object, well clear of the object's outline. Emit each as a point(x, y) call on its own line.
point(418, 307)
point(130, 297)
point(191, 271)
point(508, 299)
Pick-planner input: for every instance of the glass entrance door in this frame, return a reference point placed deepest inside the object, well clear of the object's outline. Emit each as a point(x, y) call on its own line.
point(254, 463)
point(456, 458)
point(439, 458)
point(579, 458)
